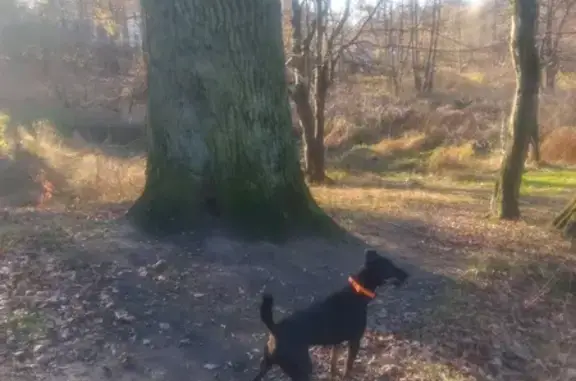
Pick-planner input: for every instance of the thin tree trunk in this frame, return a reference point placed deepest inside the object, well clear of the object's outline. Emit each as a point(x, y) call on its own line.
point(523, 120)
point(430, 66)
point(551, 72)
point(301, 90)
point(566, 222)
point(317, 172)
point(547, 45)
point(535, 144)
point(458, 26)
point(567, 214)
point(221, 147)
point(415, 45)
point(306, 119)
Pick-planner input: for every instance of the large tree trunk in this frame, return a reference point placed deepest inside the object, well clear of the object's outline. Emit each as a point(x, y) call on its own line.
point(219, 127)
point(523, 120)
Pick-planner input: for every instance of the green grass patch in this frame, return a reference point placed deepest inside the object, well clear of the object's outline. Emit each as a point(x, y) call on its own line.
point(548, 181)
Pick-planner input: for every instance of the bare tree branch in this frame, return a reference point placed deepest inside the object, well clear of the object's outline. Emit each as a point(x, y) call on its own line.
point(360, 29)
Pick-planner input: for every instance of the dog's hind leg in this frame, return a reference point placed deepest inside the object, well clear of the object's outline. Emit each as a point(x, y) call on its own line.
point(297, 365)
point(264, 368)
point(334, 353)
point(353, 347)
point(265, 365)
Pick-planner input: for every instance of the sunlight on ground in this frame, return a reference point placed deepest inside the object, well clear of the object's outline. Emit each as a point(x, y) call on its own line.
point(422, 369)
point(378, 200)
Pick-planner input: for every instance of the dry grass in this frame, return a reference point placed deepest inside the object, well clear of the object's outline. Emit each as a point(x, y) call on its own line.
point(363, 111)
point(411, 143)
point(559, 146)
point(71, 176)
point(418, 152)
point(451, 157)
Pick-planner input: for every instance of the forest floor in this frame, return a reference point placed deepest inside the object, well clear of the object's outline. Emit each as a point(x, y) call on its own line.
point(85, 297)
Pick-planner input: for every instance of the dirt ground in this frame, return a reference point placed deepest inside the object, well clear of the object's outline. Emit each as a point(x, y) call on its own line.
point(88, 298)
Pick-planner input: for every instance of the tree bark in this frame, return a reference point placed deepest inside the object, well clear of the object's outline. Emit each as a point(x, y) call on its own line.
point(535, 144)
point(311, 118)
point(316, 173)
point(301, 90)
point(415, 45)
point(221, 147)
point(523, 119)
point(430, 66)
point(551, 72)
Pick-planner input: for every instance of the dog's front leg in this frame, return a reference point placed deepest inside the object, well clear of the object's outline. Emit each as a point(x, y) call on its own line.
point(353, 347)
point(335, 352)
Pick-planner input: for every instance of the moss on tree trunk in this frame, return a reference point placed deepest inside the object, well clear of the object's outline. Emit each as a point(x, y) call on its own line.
point(219, 128)
point(523, 119)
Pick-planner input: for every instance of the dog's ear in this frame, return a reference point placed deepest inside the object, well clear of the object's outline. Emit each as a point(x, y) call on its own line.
point(370, 255)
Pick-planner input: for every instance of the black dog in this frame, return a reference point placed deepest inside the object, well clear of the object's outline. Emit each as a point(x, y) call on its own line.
point(338, 318)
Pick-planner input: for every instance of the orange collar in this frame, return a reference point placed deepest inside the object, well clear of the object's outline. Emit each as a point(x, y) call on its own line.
point(360, 289)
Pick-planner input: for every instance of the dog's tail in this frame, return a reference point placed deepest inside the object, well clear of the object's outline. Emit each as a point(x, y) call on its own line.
point(266, 312)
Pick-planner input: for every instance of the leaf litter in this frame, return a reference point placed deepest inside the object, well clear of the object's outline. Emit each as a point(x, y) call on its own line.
point(100, 301)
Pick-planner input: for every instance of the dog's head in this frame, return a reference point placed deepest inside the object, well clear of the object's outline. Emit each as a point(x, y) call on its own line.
point(378, 270)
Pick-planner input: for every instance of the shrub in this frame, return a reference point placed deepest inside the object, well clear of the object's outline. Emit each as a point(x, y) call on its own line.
point(559, 146)
point(450, 157)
